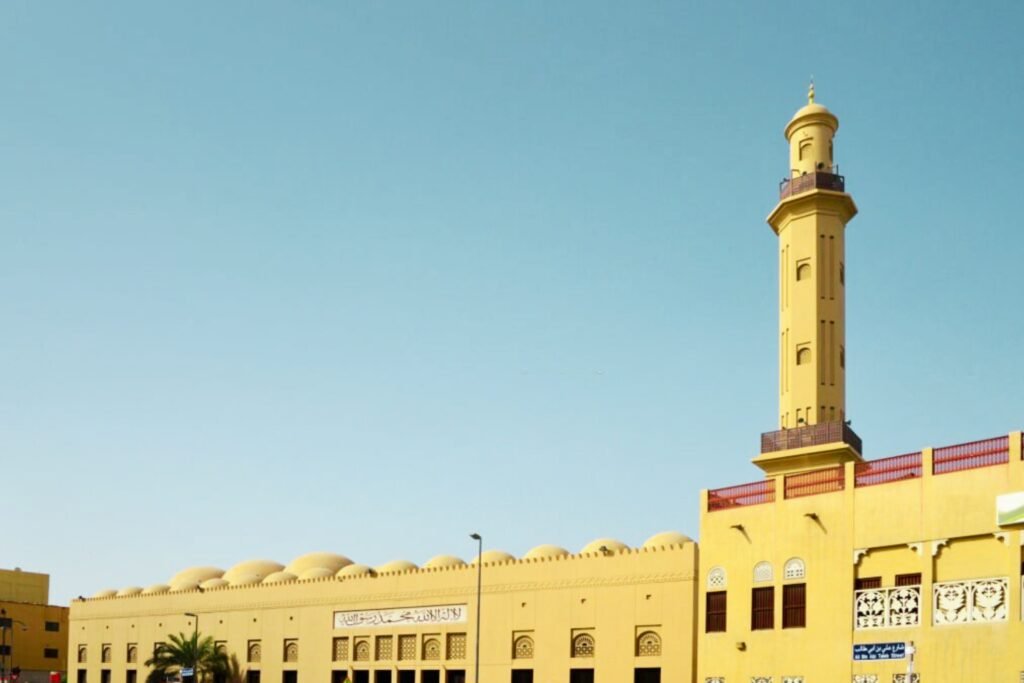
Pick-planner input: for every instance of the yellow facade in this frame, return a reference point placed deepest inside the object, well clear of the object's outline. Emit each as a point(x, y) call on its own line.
point(609, 608)
point(33, 634)
point(825, 570)
point(829, 554)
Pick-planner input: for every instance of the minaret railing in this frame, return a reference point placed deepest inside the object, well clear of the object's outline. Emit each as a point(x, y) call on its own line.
point(819, 180)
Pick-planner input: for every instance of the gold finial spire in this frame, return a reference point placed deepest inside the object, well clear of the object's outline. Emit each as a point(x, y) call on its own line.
point(810, 92)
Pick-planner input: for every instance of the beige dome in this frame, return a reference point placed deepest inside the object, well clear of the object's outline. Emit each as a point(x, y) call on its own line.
point(253, 571)
point(156, 588)
point(214, 583)
point(195, 575)
point(396, 566)
point(328, 561)
point(130, 590)
point(315, 573)
point(667, 538)
point(184, 586)
point(248, 579)
point(443, 561)
point(609, 544)
point(546, 551)
point(355, 570)
point(105, 593)
point(279, 577)
point(493, 556)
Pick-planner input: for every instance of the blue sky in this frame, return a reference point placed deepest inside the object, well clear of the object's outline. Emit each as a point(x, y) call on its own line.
point(365, 277)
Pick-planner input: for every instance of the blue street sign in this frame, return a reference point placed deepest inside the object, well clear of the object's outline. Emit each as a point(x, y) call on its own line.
point(875, 651)
point(187, 671)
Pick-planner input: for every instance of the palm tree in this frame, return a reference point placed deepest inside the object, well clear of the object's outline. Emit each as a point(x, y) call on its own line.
point(234, 672)
point(186, 651)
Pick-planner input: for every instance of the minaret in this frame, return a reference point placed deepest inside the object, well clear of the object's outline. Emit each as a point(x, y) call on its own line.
point(810, 220)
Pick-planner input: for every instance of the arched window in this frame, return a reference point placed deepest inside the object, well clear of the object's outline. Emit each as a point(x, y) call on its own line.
point(83, 654)
point(803, 271)
point(105, 654)
point(763, 572)
point(432, 649)
point(291, 650)
point(803, 355)
point(583, 645)
point(716, 579)
point(794, 569)
point(648, 644)
point(255, 652)
point(362, 651)
point(133, 653)
point(522, 648)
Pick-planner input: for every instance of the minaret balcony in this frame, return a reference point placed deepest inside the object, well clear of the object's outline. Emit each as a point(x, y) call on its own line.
point(819, 180)
point(811, 435)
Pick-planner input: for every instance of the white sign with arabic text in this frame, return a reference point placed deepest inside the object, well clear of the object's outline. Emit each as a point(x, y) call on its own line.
point(402, 616)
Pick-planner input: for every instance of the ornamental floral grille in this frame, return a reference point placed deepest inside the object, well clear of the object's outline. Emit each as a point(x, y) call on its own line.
point(719, 679)
point(971, 602)
point(384, 647)
point(648, 644)
point(583, 645)
point(760, 679)
point(792, 679)
point(341, 649)
point(887, 607)
point(456, 646)
point(902, 678)
point(362, 651)
point(522, 648)
point(406, 647)
point(865, 678)
point(431, 649)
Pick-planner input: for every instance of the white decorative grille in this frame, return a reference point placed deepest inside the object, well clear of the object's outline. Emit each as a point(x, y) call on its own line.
point(721, 679)
point(716, 578)
point(902, 678)
point(865, 678)
point(760, 679)
point(971, 602)
point(763, 572)
point(794, 569)
point(887, 607)
point(792, 679)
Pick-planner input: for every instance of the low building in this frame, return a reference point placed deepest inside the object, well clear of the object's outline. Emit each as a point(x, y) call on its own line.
point(609, 612)
point(33, 633)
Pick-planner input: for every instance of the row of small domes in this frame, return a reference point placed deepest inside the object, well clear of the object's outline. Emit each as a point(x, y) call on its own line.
point(322, 565)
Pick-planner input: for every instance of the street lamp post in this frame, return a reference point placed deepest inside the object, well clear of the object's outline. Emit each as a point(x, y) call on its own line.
point(24, 627)
point(479, 575)
point(4, 623)
point(195, 645)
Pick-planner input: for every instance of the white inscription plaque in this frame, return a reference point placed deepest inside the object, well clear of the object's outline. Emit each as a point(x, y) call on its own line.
point(402, 616)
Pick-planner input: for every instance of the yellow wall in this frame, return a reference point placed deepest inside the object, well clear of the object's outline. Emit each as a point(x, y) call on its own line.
point(31, 639)
point(19, 586)
point(939, 525)
point(615, 595)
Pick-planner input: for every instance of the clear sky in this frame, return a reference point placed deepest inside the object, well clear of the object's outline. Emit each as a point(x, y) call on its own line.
point(366, 277)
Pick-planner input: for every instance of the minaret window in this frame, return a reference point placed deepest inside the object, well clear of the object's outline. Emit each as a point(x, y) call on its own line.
point(803, 271)
point(803, 355)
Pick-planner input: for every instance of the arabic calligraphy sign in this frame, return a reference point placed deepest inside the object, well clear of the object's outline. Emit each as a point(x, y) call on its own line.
point(875, 651)
point(402, 616)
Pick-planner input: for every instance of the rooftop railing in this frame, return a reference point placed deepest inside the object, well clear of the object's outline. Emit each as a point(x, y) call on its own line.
point(819, 180)
point(965, 456)
point(811, 435)
point(740, 496)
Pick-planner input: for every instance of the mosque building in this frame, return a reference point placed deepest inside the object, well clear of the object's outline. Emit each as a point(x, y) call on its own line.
point(828, 568)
